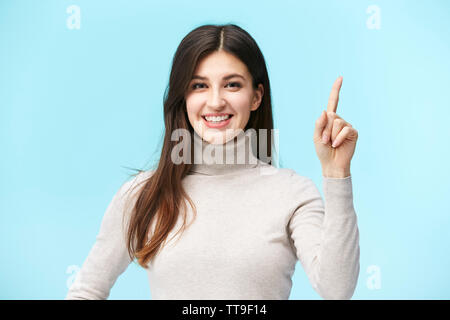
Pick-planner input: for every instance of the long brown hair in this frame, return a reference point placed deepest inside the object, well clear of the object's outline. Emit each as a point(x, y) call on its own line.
point(162, 196)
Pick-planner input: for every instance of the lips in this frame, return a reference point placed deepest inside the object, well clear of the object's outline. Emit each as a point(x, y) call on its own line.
point(216, 115)
point(218, 124)
point(209, 115)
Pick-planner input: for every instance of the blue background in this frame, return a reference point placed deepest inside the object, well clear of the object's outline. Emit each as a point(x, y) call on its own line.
point(78, 106)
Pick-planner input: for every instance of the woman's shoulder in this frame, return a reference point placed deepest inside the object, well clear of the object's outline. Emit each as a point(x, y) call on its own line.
point(293, 180)
point(291, 187)
point(288, 174)
point(132, 186)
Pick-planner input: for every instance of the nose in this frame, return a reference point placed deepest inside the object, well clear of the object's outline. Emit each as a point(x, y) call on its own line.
point(215, 99)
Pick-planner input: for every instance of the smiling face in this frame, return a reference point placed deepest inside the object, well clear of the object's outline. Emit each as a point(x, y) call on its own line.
point(221, 87)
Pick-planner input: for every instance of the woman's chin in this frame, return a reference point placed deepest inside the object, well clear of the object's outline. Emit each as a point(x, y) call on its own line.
point(216, 136)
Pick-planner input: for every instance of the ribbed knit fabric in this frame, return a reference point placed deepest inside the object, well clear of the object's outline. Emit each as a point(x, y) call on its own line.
point(253, 223)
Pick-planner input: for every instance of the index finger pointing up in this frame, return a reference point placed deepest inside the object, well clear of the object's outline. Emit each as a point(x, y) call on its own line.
point(334, 95)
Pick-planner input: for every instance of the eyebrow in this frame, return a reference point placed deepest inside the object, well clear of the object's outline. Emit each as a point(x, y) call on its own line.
point(224, 78)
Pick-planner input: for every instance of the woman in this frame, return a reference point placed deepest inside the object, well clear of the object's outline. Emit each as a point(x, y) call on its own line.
point(249, 222)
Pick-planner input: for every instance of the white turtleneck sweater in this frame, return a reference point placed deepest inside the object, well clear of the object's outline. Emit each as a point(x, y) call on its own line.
point(253, 223)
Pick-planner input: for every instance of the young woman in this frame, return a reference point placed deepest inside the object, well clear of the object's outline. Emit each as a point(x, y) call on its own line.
point(249, 222)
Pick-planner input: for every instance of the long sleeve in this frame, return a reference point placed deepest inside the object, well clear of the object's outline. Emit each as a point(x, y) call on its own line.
point(326, 238)
point(108, 258)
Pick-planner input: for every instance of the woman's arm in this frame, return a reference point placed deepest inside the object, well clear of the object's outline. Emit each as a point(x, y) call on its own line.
point(326, 238)
point(108, 258)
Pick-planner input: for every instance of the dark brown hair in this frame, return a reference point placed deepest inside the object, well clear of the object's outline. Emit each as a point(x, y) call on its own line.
point(162, 197)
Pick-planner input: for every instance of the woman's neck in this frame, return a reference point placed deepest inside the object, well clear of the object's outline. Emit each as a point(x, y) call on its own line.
point(235, 155)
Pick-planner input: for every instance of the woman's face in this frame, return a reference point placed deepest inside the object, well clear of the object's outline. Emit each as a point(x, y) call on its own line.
point(221, 85)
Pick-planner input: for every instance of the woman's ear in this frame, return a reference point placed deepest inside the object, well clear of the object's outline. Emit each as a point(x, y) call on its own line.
point(259, 93)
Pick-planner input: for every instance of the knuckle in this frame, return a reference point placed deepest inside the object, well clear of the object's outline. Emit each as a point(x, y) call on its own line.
point(338, 121)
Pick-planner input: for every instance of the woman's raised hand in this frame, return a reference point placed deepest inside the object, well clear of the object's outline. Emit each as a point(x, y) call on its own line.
point(334, 138)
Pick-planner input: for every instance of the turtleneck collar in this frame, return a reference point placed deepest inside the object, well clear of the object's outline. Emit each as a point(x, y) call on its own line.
point(219, 159)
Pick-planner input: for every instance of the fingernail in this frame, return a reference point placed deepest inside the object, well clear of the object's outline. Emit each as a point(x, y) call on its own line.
point(334, 144)
point(324, 138)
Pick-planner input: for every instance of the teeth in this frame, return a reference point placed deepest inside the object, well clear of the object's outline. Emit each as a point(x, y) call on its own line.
point(217, 119)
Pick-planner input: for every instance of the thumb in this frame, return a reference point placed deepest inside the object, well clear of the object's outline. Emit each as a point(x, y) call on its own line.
point(321, 123)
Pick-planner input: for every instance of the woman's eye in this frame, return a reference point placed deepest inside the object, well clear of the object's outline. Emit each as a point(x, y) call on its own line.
point(236, 84)
point(196, 84)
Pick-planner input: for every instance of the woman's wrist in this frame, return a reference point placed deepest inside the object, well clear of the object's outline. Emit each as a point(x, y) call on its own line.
point(329, 172)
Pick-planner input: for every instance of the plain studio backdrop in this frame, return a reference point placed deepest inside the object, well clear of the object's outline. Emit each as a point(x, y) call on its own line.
point(81, 90)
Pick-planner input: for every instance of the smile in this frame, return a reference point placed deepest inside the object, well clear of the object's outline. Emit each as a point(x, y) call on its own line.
point(217, 122)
